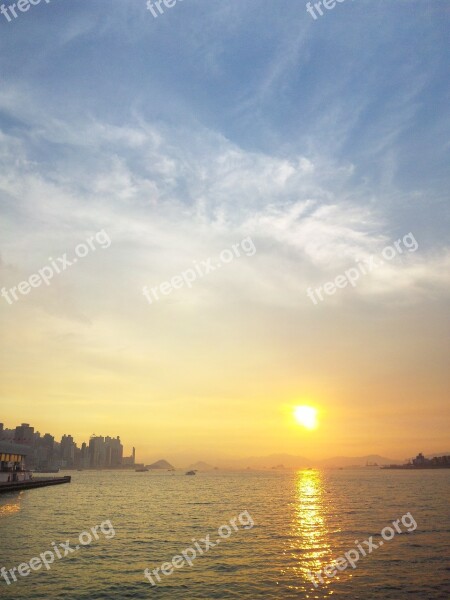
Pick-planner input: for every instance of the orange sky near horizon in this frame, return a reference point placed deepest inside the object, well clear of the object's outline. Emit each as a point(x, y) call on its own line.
point(199, 401)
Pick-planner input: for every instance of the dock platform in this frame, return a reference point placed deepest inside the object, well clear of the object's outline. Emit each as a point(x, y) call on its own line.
point(38, 482)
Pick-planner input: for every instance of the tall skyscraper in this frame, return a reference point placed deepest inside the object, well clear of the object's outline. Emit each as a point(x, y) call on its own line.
point(67, 450)
point(97, 454)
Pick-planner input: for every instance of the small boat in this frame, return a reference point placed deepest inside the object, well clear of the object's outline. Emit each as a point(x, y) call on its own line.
point(143, 470)
point(191, 473)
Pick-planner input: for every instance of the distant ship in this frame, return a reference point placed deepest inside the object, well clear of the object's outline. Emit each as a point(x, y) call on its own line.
point(142, 470)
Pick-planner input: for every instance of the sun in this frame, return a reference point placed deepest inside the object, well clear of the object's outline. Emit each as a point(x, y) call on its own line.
point(306, 416)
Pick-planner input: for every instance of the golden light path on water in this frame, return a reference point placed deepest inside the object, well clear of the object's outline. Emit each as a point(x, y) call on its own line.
point(309, 545)
point(10, 506)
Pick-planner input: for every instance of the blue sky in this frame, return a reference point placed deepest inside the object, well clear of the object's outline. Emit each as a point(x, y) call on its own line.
point(366, 84)
point(322, 139)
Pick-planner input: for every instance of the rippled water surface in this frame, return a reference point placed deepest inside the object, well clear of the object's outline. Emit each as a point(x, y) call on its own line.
point(303, 521)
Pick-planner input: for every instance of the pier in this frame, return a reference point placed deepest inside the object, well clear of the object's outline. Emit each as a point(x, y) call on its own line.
point(17, 486)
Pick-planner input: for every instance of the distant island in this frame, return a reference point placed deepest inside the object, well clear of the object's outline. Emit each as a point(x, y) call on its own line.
point(160, 465)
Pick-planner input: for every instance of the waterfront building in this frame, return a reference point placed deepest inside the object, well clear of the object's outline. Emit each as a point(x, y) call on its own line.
point(44, 453)
point(436, 461)
point(12, 462)
point(67, 451)
point(97, 453)
point(129, 461)
point(114, 452)
point(84, 456)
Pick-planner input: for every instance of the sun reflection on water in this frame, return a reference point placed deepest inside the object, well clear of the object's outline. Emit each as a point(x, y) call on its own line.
point(10, 506)
point(309, 543)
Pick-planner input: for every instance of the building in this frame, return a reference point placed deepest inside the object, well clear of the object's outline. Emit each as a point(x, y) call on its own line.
point(67, 450)
point(105, 453)
point(130, 461)
point(24, 434)
point(84, 456)
point(12, 462)
point(97, 453)
point(45, 454)
point(436, 462)
point(114, 452)
point(6, 434)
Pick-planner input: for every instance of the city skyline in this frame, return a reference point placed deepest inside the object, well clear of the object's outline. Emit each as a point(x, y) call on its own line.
point(46, 452)
point(68, 443)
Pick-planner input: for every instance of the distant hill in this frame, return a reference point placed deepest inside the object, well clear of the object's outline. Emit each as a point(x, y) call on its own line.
point(160, 464)
point(267, 462)
point(288, 461)
point(200, 466)
point(358, 461)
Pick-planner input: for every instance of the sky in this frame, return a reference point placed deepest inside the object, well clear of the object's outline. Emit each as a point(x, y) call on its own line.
point(315, 144)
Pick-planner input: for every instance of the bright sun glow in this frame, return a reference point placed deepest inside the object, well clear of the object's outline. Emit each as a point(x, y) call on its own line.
point(306, 416)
